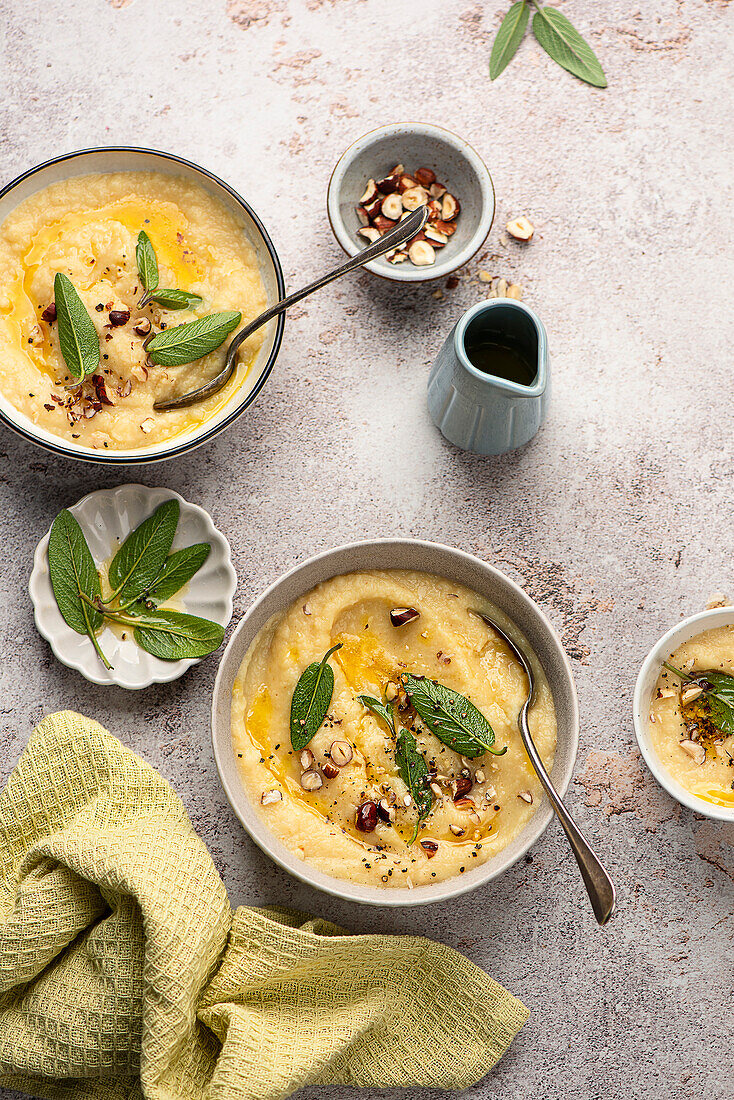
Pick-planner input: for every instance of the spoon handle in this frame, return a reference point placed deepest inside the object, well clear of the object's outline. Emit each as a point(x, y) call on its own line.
point(402, 232)
point(599, 885)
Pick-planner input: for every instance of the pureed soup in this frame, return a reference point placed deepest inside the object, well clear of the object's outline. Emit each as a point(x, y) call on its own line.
point(692, 716)
point(341, 802)
point(86, 228)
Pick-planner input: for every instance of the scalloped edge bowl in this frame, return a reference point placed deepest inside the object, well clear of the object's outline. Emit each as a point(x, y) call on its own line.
point(105, 516)
point(429, 557)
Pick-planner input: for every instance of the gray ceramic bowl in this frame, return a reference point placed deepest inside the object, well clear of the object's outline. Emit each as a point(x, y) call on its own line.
point(428, 557)
point(416, 145)
point(124, 159)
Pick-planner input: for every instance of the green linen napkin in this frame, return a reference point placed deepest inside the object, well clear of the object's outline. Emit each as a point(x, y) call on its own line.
point(124, 972)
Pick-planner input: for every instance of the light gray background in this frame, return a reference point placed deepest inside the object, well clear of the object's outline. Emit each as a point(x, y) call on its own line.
point(617, 518)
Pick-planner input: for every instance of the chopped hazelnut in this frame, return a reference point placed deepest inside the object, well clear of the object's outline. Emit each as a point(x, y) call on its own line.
point(392, 206)
point(311, 781)
point(415, 197)
point(425, 176)
point(421, 254)
point(370, 192)
point(369, 233)
point(521, 229)
point(269, 797)
point(449, 207)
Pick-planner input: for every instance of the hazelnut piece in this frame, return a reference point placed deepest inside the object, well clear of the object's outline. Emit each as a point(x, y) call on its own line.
point(392, 206)
point(142, 327)
point(400, 616)
point(415, 197)
point(421, 254)
point(443, 227)
point(521, 229)
point(449, 207)
point(330, 770)
point(457, 830)
point(425, 176)
point(49, 313)
point(437, 190)
point(364, 218)
point(405, 183)
point(370, 193)
point(369, 233)
point(382, 223)
point(372, 209)
point(388, 184)
point(436, 237)
point(268, 797)
point(306, 759)
point(119, 317)
point(462, 786)
point(311, 781)
point(526, 796)
point(385, 811)
point(693, 749)
point(689, 692)
point(429, 847)
point(366, 817)
point(341, 753)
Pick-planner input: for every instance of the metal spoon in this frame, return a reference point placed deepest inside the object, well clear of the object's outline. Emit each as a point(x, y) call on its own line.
point(402, 232)
point(599, 886)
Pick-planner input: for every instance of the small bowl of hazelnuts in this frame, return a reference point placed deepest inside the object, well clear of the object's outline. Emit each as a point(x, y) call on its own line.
point(389, 172)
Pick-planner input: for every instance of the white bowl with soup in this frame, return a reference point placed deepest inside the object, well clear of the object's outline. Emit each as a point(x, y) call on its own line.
point(339, 813)
point(81, 215)
point(691, 757)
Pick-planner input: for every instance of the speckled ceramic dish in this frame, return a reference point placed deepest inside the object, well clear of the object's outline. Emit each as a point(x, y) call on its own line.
point(107, 517)
point(123, 159)
point(646, 681)
point(532, 627)
point(457, 165)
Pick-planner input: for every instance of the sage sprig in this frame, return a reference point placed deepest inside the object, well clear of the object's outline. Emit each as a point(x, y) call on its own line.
point(143, 574)
point(78, 337)
point(185, 343)
point(715, 703)
point(450, 717)
point(311, 699)
point(555, 33)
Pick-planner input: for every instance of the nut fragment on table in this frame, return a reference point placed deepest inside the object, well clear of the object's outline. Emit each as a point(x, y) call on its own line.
point(386, 201)
point(521, 228)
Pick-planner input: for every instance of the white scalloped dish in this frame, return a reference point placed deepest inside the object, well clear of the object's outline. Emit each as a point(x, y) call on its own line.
point(107, 517)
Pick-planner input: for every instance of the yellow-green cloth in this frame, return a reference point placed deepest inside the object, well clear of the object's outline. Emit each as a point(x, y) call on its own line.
point(124, 972)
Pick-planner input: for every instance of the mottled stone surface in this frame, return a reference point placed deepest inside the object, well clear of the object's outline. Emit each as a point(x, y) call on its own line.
point(617, 517)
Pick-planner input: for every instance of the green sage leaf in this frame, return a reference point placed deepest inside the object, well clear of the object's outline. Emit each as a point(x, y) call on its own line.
point(143, 554)
point(174, 299)
point(311, 698)
point(178, 570)
point(413, 771)
point(78, 337)
point(380, 709)
point(451, 717)
point(74, 576)
point(185, 343)
point(715, 706)
point(175, 636)
point(561, 41)
point(147, 261)
point(509, 37)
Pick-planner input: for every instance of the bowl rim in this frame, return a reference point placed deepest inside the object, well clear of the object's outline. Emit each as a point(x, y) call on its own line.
point(424, 274)
point(170, 670)
point(311, 876)
point(683, 631)
point(127, 458)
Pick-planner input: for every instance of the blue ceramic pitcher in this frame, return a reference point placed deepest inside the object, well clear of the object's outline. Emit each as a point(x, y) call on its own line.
point(478, 411)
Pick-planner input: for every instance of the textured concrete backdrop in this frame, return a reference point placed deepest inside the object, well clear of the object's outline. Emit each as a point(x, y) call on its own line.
point(617, 518)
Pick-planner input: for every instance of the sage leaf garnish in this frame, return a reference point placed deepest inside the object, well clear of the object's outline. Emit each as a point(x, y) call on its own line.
point(185, 343)
point(414, 773)
point(508, 38)
point(73, 577)
point(174, 299)
point(714, 705)
point(175, 636)
point(78, 337)
point(143, 554)
point(380, 709)
point(311, 698)
point(450, 717)
point(178, 570)
point(147, 262)
point(561, 41)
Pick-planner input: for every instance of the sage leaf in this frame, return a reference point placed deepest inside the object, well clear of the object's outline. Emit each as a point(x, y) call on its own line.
point(311, 698)
point(508, 38)
point(185, 343)
point(175, 636)
point(143, 554)
point(380, 709)
point(178, 570)
point(174, 299)
point(413, 771)
point(78, 337)
point(451, 717)
point(716, 705)
point(74, 576)
point(561, 41)
point(147, 261)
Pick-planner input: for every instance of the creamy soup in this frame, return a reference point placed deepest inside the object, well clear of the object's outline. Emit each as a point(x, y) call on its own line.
point(87, 228)
point(691, 747)
point(342, 804)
